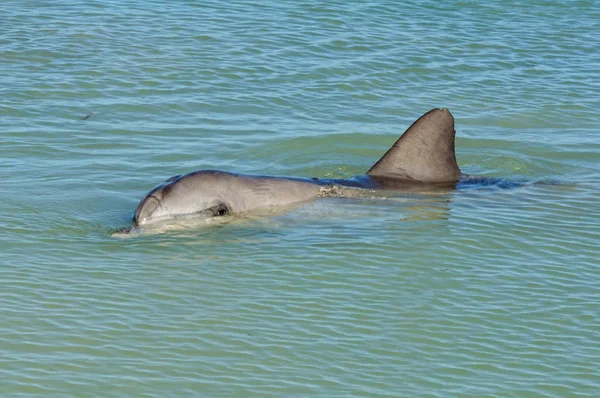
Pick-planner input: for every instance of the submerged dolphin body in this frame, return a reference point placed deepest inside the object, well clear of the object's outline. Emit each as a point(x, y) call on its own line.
point(422, 158)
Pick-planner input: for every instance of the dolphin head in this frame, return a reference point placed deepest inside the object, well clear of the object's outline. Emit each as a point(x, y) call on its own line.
point(200, 194)
point(146, 209)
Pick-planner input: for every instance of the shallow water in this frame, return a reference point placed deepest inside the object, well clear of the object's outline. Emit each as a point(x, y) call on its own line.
point(474, 293)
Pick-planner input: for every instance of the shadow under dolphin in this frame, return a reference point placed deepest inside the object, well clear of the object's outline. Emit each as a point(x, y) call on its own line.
point(421, 161)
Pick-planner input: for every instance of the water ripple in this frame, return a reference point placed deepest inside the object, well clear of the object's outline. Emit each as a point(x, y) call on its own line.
point(475, 293)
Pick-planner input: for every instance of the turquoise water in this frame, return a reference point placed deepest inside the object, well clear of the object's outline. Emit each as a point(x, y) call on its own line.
point(471, 294)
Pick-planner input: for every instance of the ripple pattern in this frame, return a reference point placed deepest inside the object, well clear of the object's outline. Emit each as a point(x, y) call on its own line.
point(475, 293)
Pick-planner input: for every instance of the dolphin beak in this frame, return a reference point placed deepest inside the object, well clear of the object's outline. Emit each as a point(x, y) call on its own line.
point(145, 209)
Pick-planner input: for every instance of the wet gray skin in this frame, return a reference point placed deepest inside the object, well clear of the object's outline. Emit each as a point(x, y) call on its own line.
point(213, 193)
point(422, 159)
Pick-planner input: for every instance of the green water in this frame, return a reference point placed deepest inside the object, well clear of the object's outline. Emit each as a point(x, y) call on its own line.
point(477, 293)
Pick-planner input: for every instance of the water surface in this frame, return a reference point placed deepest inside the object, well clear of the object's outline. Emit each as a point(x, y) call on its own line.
point(477, 293)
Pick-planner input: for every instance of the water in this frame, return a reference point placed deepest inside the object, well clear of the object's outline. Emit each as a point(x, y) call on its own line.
point(472, 294)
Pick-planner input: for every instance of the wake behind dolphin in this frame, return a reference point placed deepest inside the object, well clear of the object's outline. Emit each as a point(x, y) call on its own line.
point(423, 159)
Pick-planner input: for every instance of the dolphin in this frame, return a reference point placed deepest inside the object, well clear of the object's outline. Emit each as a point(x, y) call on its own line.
point(422, 159)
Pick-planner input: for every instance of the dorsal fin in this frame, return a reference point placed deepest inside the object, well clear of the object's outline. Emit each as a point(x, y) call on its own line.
point(424, 153)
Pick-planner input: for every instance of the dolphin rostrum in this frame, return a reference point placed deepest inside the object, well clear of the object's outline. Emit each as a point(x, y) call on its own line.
point(423, 156)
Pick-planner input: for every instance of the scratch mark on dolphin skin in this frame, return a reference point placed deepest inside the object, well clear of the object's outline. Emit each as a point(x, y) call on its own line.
point(335, 190)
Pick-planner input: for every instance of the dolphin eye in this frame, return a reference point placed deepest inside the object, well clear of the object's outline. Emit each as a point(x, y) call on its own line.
point(221, 210)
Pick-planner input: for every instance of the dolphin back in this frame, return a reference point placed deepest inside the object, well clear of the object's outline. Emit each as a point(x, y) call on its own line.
point(424, 153)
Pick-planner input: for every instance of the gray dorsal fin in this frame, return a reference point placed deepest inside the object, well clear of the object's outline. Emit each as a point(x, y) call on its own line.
point(424, 153)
